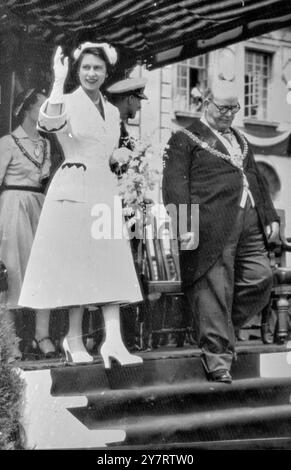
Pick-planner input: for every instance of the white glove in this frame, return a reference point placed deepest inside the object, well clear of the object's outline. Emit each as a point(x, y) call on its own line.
point(187, 241)
point(120, 156)
point(61, 66)
point(273, 232)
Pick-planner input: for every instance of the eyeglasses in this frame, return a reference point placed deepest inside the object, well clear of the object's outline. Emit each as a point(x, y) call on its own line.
point(224, 109)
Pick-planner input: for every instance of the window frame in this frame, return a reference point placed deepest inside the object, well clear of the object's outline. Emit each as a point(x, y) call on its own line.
point(261, 100)
point(186, 66)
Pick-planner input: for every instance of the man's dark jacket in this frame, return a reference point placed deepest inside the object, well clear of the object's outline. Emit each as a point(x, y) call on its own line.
point(192, 175)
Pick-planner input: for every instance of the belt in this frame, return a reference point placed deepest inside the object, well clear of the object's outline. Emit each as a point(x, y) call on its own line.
point(33, 189)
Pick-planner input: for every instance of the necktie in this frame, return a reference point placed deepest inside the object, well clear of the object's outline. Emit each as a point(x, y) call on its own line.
point(227, 135)
point(123, 131)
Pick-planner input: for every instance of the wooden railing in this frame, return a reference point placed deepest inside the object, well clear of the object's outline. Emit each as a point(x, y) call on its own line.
point(167, 311)
point(281, 292)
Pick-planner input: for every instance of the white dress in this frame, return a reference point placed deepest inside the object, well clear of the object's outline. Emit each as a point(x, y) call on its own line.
point(76, 258)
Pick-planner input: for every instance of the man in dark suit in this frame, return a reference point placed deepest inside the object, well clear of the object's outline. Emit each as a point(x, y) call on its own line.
point(227, 278)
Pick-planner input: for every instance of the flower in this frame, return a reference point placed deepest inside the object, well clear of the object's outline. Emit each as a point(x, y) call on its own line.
point(139, 177)
point(120, 156)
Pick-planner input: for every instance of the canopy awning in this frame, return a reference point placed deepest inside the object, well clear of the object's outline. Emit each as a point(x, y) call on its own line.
point(154, 32)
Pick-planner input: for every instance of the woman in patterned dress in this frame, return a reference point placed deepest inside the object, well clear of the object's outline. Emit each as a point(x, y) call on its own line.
point(24, 164)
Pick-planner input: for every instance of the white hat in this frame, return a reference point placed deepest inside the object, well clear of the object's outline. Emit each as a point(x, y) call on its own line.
point(134, 85)
point(109, 51)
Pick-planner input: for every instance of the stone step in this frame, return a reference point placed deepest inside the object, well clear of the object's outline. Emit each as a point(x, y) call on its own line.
point(188, 397)
point(165, 401)
point(162, 370)
point(215, 425)
point(269, 443)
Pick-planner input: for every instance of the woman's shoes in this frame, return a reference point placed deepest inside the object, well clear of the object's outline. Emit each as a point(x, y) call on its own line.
point(75, 356)
point(16, 354)
point(44, 347)
point(120, 353)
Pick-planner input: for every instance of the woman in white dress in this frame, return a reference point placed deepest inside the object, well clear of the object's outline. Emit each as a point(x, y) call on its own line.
point(77, 259)
point(24, 165)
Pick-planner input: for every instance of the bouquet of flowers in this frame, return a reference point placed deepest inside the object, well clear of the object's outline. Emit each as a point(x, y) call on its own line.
point(137, 175)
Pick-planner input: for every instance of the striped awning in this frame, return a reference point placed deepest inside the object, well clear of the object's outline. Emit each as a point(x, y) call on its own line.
point(156, 32)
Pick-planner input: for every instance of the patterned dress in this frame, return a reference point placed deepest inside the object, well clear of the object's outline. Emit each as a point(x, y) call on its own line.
point(80, 255)
point(19, 209)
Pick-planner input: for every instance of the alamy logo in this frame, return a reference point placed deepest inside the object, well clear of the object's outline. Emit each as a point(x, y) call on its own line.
point(110, 223)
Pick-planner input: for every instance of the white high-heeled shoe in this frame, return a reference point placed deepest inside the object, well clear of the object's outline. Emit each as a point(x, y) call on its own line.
point(76, 356)
point(122, 355)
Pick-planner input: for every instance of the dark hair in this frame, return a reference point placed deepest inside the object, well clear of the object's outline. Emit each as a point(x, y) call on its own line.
point(24, 101)
point(98, 52)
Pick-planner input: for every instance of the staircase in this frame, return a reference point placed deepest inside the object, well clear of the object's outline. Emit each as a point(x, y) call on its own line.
point(167, 401)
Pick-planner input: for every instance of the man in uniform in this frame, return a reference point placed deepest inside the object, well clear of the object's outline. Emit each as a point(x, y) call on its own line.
point(126, 95)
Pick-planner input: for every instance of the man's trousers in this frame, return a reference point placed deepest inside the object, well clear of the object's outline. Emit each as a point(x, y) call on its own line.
point(235, 288)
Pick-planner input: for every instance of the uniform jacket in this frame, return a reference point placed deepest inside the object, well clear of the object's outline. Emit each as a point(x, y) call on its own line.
point(125, 139)
point(192, 175)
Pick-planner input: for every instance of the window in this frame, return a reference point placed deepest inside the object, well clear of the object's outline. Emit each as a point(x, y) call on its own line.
point(257, 80)
point(190, 84)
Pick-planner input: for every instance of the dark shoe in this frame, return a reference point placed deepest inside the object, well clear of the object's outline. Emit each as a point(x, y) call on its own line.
point(220, 375)
point(243, 335)
point(16, 354)
point(44, 348)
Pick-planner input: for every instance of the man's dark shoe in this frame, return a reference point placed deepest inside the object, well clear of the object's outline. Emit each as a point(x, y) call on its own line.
point(220, 375)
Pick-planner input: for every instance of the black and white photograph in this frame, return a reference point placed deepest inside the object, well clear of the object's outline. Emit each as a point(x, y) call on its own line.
point(145, 228)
